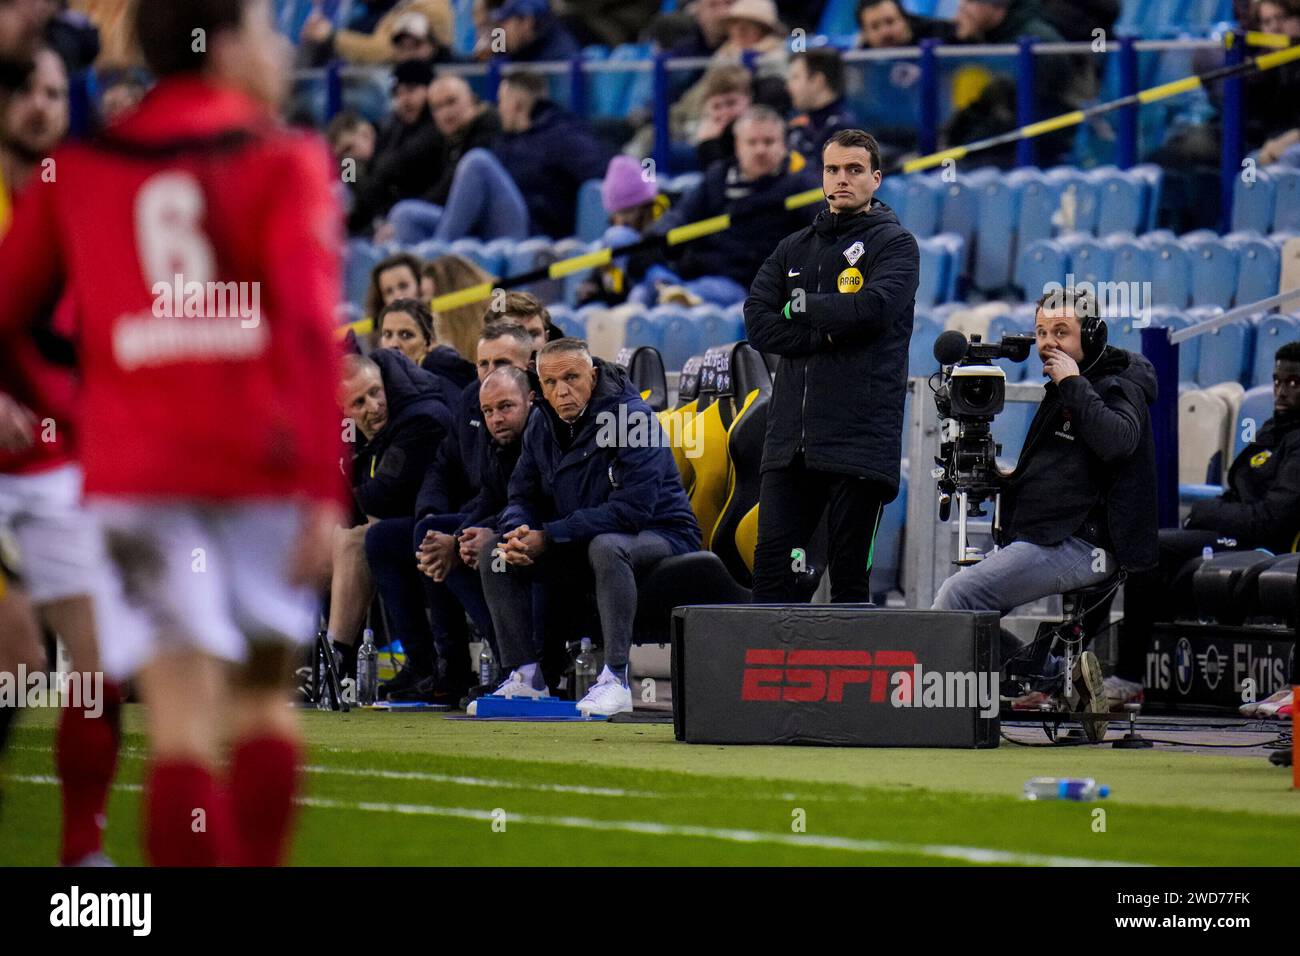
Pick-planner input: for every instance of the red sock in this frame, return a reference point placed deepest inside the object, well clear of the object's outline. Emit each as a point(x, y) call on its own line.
point(86, 757)
point(187, 821)
point(263, 781)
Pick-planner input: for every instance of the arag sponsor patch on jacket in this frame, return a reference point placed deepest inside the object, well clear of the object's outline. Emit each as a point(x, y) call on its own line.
point(1257, 461)
point(850, 280)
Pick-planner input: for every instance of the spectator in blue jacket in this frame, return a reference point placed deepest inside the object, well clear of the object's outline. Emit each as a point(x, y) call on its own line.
point(720, 267)
point(529, 33)
point(528, 182)
point(547, 151)
point(595, 503)
point(816, 86)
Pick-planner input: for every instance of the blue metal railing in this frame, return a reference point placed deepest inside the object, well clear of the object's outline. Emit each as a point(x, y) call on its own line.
point(928, 59)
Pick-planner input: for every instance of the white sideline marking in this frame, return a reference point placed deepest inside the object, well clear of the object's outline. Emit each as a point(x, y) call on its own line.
point(480, 782)
point(967, 854)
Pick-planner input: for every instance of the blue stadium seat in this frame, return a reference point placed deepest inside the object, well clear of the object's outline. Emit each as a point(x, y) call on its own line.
point(1040, 198)
point(718, 326)
point(1171, 271)
point(1214, 272)
point(1091, 260)
point(920, 348)
point(1252, 203)
point(1259, 266)
point(998, 204)
point(431, 249)
point(887, 549)
point(574, 325)
point(529, 254)
point(922, 196)
point(1256, 408)
point(1227, 353)
point(1120, 201)
point(683, 335)
point(1085, 198)
point(647, 328)
point(591, 219)
point(954, 247)
point(1286, 199)
point(959, 214)
point(1123, 333)
point(1130, 259)
point(1152, 178)
point(1271, 333)
point(1042, 262)
point(491, 262)
point(934, 273)
point(359, 258)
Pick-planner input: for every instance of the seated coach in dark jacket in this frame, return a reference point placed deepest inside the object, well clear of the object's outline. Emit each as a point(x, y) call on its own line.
point(1081, 502)
point(595, 502)
point(398, 552)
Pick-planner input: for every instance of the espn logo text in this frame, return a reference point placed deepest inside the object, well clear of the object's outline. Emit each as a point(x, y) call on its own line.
point(820, 675)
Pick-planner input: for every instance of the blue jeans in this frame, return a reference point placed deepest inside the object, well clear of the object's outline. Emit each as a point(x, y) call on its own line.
point(715, 290)
point(1024, 572)
point(484, 203)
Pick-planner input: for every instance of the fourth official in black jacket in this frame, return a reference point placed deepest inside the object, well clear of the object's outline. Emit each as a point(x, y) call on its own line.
point(835, 302)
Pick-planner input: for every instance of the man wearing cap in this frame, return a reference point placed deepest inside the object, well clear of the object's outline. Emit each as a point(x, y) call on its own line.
point(528, 33)
point(465, 123)
point(407, 151)
point(415, 22)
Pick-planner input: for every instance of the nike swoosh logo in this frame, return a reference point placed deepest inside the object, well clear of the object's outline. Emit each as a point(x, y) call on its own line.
point(791, 274)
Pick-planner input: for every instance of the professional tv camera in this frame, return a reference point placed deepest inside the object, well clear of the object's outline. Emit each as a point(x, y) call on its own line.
point(971, 393)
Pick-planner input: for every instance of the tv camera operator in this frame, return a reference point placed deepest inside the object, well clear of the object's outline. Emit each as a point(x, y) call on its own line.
point(1079, 509)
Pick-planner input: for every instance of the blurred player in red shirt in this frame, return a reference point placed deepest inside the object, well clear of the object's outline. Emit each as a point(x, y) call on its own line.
point(200, 241)
point(60, 550)
point(22, 23)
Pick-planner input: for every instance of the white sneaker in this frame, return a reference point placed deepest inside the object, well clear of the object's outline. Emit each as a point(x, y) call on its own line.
point(516, 685)
point(1119, 692)
point(606, 698)
point(1269, 706)
point(1256, 707)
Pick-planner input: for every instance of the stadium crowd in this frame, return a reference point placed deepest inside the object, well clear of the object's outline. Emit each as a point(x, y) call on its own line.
point(485, 501)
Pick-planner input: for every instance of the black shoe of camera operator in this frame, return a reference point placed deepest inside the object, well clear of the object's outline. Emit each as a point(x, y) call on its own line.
point(430, 690)
point(402, 681)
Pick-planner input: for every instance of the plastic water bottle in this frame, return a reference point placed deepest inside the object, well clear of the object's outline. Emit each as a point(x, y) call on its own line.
point(1065, 788)
point(367, 669)
point(584, 670)
point(487, 666)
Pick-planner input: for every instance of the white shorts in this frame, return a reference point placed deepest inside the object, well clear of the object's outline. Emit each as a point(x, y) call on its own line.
point(59, 549)
point(199, 577)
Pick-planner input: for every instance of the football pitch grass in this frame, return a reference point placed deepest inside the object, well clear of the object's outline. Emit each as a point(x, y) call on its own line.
point(418, 789)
